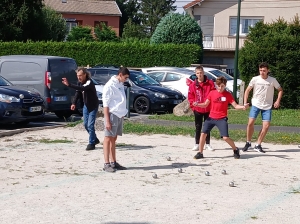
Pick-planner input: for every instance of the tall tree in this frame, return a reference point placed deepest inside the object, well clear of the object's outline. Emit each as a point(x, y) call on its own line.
point(151, 12)
point(51, 26)
point(129, 10)
point(17, 19)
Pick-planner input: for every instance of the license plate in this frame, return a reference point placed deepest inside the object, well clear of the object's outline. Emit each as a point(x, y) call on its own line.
point(60, 98)
point(177, 101)
point(34, 109)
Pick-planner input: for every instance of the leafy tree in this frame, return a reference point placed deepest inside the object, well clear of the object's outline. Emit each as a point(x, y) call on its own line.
point(18, 19)
point(152, 11)
point(133, 30)
point(129, 9)
point(52, 26)
point(278, 44)
point(80, 33)
point(105, 33)
point(178, 29)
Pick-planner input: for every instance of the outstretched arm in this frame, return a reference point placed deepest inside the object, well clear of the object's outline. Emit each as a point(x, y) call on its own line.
point(239, 107)
point(205, 104)
point(247, 91)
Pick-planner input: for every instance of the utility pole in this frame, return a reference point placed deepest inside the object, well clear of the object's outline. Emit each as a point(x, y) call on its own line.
point(236, 55)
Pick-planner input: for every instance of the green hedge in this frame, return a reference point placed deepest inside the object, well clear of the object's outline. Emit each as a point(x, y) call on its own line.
point(126, 54)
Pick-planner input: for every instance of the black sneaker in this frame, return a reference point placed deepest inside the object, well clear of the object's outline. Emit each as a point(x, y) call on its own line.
point(117, 166)
point(90, 147)
point(247, 146)
point(97, 141)
point(236, 153)
point(258, 148)
point(199, 155)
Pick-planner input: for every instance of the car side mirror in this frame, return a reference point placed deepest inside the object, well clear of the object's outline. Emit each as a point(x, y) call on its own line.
point(127, 84)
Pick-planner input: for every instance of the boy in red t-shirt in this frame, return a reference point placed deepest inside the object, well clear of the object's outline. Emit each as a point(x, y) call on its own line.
point(219, 99)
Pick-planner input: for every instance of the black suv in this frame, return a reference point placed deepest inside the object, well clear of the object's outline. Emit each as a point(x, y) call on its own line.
point(19, 105)
point(146, 94)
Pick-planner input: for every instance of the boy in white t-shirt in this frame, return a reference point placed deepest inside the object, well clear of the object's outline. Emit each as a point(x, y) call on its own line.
point(263, 87)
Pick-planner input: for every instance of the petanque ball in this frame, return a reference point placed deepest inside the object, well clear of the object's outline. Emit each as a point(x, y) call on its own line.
point(206, 173)
point(179, 170)
point(154, 176)
point(223, 172)
point(231, 184)
point(169, 158)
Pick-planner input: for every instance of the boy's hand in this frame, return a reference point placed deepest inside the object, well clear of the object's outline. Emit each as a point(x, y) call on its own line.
point(276, 104)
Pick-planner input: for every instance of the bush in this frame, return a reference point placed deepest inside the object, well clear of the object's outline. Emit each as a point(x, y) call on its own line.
point(124, 53)
point(278, 44)
point(80, 33)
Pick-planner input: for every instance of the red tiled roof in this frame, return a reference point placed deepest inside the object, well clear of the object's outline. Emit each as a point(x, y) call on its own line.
point(97, 7)
point(191, 4)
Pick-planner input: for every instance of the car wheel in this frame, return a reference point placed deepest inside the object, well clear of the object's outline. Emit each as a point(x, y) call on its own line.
point(63, 114)
point(142, 105)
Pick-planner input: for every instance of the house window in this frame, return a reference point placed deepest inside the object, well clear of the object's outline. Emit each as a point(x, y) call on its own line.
point(70, 22)
point(245, 23)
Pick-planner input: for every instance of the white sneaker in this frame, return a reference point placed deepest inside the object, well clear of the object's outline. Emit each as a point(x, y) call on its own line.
point(208, 147)
point(196, 147)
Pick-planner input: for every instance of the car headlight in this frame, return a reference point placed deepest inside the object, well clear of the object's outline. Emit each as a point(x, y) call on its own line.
point(9, 99)
point(161, 95)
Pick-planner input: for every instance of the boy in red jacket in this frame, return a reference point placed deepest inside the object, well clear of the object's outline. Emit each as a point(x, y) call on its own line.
point(219, 100)
point(198, 92)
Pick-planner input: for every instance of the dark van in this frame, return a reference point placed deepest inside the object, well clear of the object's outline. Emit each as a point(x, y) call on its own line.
point(43, 74)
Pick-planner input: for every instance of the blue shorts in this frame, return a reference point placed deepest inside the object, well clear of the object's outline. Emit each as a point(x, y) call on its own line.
point(266, 115)
point(221, 124)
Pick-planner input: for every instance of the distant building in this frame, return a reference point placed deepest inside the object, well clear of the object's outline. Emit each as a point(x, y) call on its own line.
point(88, 12)
point(218, 21)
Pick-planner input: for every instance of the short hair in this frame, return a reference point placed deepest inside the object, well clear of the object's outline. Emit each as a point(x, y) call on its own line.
point(221, 80)
point(200, 67)
point(123, 71)
point(84, 71)
point(264, 65)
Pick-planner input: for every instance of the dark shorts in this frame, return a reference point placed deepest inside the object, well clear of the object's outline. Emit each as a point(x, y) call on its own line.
point(221, 124)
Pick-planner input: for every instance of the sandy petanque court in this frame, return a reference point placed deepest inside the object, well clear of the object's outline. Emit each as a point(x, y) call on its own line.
point(43, 181)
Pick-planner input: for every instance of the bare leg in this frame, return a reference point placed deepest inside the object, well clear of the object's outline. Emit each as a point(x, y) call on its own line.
point(113, 149)
point(250, 129)
point(106, 148)
point(263, 132)
point(230, 142)
point(202, 142)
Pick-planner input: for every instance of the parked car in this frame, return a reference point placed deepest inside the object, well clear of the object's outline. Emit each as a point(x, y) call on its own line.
point(173, 77)
point(43, 74)
point(146, 94)
point(19, 105)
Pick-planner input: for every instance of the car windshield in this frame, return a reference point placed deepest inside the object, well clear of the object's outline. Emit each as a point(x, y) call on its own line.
point(4, 82)
point(219, 73)
point(142, 79)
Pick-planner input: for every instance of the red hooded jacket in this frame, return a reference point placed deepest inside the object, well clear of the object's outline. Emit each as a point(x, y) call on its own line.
point(198, 92)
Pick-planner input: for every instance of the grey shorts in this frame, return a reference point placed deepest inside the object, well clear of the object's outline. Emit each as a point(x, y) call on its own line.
point(116, 126)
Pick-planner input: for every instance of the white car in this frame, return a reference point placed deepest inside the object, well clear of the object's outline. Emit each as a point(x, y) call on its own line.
point(215, 73)
point(171, 77)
